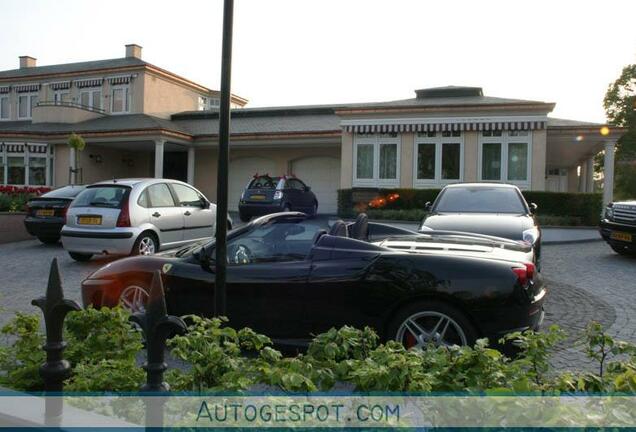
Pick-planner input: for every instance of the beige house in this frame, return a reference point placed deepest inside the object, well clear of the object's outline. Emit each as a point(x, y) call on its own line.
point(140, 120)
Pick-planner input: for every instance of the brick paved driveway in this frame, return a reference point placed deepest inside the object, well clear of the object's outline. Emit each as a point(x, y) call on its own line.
point(588, 281)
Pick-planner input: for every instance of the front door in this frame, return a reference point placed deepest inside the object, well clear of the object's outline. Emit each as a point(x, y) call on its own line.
point(198, 220)
point(164, 213)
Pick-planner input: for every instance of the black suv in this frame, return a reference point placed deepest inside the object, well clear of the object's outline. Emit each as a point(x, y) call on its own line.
point(264, 195)
point(618, 227)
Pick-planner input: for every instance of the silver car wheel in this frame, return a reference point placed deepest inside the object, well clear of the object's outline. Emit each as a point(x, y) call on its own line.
point(133, 299)
point(430, 327)
point(147, 246)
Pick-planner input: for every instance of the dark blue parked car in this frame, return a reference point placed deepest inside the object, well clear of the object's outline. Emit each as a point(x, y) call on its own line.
point(264, 195)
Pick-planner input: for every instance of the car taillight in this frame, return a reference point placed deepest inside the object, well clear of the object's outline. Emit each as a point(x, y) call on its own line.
point(525, 273)
point(123, 220)
point(64, 210)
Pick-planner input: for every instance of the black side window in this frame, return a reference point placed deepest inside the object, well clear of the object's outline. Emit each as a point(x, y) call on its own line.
point(188, 197)
point(160, 196)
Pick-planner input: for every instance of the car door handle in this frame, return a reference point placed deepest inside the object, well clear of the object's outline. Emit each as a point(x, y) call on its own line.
point(187, 213)
point(156, 214)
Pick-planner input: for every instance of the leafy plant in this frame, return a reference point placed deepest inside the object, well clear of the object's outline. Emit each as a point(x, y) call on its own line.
point(20, 359)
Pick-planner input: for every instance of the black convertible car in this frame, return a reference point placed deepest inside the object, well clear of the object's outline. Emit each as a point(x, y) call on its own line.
point(290, 278)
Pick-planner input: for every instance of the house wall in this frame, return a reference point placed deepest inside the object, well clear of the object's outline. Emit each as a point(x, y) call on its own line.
point(471, 156)
point(162, 97)
point(346, 160)
point(116, 163)
point(539, 143)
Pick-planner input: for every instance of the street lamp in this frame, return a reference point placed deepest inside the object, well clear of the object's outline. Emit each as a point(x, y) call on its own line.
point(223, 162)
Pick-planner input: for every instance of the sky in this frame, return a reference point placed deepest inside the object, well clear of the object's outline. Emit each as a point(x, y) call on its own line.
point(297, 52)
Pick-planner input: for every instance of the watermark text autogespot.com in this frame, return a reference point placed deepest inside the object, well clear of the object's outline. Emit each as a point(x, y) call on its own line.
point(281, 413)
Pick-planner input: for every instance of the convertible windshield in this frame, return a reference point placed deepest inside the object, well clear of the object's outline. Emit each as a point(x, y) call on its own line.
point(480, 200)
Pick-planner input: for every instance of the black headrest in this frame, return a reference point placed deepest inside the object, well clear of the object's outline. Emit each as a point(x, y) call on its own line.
point(360, 228)
point(339, 229)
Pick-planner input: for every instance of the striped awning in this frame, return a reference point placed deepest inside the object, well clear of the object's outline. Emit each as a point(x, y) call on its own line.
point(93, 82)
point(5, 89)
point(15, 148)
point(37, 148)
point(122, 79)
point(60, 85)
point(23, 88)
point(434, 125)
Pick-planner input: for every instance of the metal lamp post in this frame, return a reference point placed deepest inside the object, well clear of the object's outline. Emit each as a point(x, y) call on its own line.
point(222, 172)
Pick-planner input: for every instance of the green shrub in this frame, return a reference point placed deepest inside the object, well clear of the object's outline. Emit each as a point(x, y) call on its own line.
point(218, 357)
point(558, 208)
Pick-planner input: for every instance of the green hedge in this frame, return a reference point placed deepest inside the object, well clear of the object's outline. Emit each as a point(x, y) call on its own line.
point(562, 207)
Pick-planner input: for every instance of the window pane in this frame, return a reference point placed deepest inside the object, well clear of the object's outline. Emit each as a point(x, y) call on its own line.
point(16, 170)
point(450, 161)
point(23, 109)
point(118, 100)
point(37, 171)
point(97, 99)
point(160, 196)
point(388, 161)
point(85, 98)
point(364, 162)
point(491, 161)
point(517, 161)
point(426, 161)
point(34, 102)
point(188, 197)
point(4, 107)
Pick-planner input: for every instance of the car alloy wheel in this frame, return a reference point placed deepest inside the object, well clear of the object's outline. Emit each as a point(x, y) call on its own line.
point(133, 299)
point(430, 327)
point(147, 246)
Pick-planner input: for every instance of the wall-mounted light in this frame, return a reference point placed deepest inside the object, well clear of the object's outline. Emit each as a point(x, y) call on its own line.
point(604, 131)
point(97, 158)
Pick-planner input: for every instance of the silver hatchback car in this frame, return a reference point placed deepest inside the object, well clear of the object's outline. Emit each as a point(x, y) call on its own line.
point(136, 216)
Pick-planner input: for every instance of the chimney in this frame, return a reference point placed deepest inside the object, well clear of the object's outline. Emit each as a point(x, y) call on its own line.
point(27, 62)
point(133, 50)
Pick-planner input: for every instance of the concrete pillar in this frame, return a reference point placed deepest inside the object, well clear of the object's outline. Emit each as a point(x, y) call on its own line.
point(608, 180)
point(159, 145)
point(589, 181)
point(572, 179)
point(582, 177)
point(191, 165)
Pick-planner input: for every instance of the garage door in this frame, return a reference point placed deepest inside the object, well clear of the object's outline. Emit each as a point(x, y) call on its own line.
point(323, 175)
point(240, 173)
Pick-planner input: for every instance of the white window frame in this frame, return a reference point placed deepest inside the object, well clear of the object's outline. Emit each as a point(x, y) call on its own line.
point(505, 140)
point(438, 140)
point(49, 156)
point(57, 95)
point(128, 96)
point(91, 96)
point(8, 98)
point(376, 140)
point(29, 96)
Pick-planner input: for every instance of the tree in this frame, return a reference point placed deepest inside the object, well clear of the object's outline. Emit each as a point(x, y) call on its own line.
point(620, 108)
point(77, 143)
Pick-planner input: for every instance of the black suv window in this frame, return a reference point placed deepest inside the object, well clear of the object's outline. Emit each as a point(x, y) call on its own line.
point(295, 184)
point(160, 196)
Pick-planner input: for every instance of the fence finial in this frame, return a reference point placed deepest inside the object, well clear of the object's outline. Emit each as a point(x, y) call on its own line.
point(54, 308)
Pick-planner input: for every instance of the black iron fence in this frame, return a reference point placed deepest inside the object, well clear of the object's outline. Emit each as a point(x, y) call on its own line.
point(157, 326)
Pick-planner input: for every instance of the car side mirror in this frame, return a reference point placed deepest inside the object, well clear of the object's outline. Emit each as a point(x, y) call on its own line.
point(307, 188)
point(533, 208)
point(427, 206)
point(205, 204)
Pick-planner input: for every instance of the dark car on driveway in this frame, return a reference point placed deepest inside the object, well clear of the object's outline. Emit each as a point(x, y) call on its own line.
point(618, 227)
point(46, 214)
point(289, 278)
point(265, 195)
point(486, 208)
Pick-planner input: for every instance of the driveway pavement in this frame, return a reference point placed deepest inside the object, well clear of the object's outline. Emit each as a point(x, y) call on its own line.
point(587, 280)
